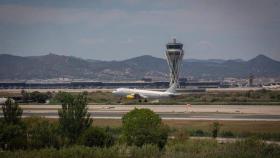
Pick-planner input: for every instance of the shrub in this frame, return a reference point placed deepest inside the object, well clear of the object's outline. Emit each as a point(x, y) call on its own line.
point(12, 136)
point(227, 134)
point(198, 133)
point(215, 129)
point(41, 133)
point(143, 126)
point(98, 137)
point(181, 135)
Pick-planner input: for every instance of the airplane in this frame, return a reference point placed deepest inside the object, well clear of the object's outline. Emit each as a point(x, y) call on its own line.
point(271, 86)
point(146, 94)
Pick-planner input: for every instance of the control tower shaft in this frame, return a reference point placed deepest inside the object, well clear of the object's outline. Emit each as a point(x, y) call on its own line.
point(174, 54)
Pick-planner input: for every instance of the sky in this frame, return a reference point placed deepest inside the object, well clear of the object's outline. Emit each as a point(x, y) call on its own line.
point(121, 29)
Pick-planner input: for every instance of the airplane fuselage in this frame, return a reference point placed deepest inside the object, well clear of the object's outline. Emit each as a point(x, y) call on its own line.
point(123, 92)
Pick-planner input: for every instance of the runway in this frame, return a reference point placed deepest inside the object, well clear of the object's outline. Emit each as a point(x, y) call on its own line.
point(171, 116)
point(169, 112)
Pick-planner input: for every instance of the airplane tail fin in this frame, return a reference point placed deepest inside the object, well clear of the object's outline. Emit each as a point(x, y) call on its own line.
point(172, 88)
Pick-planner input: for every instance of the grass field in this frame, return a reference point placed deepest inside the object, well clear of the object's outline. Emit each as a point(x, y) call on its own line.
point(235, 126)
point(267, 130)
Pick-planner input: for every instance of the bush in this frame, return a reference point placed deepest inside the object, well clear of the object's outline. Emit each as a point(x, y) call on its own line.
point(263, 136)
point(98, 137)
point(143, 126)
point(198, 133)
point(227, 134)
point(42, 134)
point(215, 129)
point(181, 135)
point(12, 136)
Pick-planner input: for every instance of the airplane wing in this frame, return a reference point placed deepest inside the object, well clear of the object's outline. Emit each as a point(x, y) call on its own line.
point(142, 96)
point(175, 95)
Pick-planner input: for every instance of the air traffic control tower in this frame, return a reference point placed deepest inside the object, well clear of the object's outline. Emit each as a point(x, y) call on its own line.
point(174, 54)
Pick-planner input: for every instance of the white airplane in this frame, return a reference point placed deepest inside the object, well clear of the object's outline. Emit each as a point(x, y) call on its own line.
point(272, 86)
point(146, 94)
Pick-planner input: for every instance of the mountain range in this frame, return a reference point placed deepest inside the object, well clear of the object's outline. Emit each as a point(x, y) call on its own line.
point(55, 66)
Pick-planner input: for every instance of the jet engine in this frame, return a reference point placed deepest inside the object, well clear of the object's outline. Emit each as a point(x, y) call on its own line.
point(130, 97)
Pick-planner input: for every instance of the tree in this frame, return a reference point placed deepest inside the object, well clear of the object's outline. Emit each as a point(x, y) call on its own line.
point(12, 131)
point(143, 126)
point(35, 96)
point(39, 97)
point(12, 112)
point(74, 117)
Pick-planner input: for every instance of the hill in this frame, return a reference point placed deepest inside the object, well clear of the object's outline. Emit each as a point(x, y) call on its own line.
point(54, 66)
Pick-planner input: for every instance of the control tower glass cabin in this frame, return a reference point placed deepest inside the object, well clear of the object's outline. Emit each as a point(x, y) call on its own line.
point(174, 54)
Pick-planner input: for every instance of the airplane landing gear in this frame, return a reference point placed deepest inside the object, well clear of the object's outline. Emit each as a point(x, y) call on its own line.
point(120, 100)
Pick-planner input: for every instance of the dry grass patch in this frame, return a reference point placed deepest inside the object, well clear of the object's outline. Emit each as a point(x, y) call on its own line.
point(234, 126)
